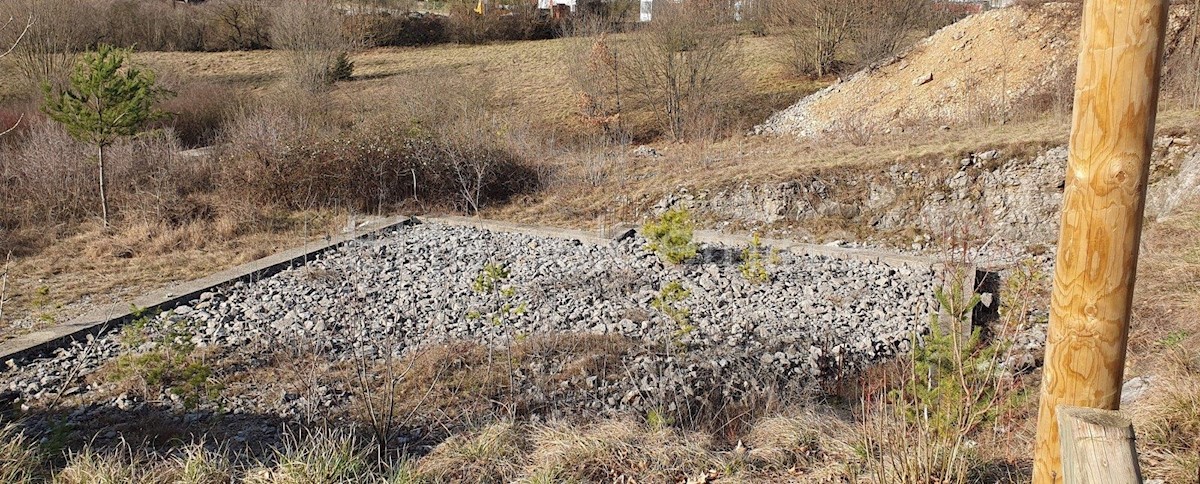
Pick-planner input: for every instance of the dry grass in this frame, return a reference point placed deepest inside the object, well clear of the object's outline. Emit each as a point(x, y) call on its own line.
point(492, 454)
point(1162, 348)
point(95, 266)
point(531, 77)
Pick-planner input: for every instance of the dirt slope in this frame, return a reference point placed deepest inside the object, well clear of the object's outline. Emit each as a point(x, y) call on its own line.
point(983, 69)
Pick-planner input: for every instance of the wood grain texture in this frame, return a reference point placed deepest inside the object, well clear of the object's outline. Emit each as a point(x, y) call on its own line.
point(1116, 97)
point(1098, 447)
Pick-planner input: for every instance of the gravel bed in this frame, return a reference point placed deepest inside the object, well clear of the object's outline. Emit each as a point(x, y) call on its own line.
point(416, 286)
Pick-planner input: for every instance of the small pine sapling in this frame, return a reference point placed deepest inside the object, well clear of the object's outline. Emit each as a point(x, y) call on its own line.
point(106, 99)
point(671, 236)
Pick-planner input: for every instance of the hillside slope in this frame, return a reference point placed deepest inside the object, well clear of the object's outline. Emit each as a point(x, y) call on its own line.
point(986, 68)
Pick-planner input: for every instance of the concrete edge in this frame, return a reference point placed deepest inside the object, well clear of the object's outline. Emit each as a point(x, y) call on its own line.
point(113, 315)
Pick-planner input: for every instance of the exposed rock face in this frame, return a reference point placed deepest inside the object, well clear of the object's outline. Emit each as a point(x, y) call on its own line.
point(1010, 199)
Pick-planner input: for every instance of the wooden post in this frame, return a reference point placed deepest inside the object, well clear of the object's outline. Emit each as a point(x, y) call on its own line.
point(1098, 447)
point(1116, 97)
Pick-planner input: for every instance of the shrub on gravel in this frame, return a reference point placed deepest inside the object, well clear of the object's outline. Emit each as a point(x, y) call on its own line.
point(671, 236)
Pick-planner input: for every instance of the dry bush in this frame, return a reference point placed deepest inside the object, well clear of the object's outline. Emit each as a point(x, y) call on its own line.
point(383, 29)
point(197, 111)
point(683, 66)
point(517, 21)
point(311, 32)
point(238, 25)
point(440, 148)
point(595, 69)
point(156, 184)
point(155, 26)
point(59, 29)
point(49, 182)
point(48, 178)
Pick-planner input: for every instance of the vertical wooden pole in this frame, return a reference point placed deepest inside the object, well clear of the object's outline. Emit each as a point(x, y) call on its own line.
point(1098, 447)
point(1116, 97)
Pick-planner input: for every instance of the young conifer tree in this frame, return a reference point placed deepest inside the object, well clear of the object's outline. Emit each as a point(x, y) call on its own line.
point(105, 100)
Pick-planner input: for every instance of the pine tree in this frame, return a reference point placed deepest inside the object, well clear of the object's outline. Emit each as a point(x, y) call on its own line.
point(105, 100)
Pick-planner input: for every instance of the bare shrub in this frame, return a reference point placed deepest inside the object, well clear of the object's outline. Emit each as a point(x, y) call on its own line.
point(385, 29)
point(48, 178)
point(13, 32)
point(238, 25)
point(1182, 70)
point(59, 29)
point(594, 64)
point(888, 26)
point(466, 26)
point(440, 147)
point(683, 65)
point(816, 30)
point(161, 186)
point(197, 111)
point(312, 34)
point(155, 26)
point(512, 22)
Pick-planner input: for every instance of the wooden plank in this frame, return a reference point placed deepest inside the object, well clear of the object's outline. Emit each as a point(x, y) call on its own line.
point(1098, 447)
point(1116, 97)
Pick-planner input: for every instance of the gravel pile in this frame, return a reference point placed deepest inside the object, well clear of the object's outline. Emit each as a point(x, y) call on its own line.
point(419, 286)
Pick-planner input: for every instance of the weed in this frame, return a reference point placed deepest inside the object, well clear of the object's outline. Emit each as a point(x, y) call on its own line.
point(19, 458)
point(1175, 338)
point(41, 297)
point(671, 236)
point(170, 364)
point(658, 420)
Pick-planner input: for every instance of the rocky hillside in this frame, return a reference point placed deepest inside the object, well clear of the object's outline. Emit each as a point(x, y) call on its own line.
point(1009, 198)
point(983, 69)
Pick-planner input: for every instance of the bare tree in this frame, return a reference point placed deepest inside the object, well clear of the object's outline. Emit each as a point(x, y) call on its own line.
point(683, 65)
point(816, 29)
point(56, 32)
point(889, 25)
point(14, 27)
point(243, 24)
point(312, 34)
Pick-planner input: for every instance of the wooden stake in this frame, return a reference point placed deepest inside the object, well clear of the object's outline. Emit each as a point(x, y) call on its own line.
point(1116, 97)
point(1098, 447)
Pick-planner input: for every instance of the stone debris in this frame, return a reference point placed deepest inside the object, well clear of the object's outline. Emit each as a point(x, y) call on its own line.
point(416, 287)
